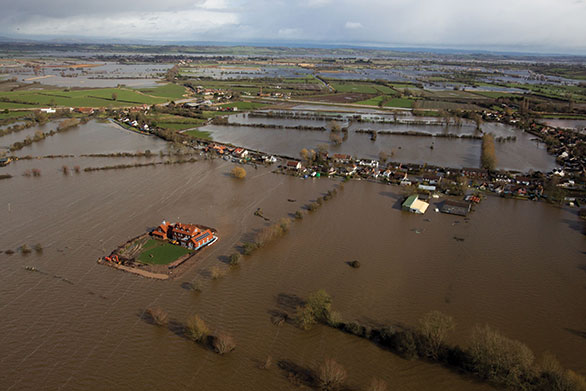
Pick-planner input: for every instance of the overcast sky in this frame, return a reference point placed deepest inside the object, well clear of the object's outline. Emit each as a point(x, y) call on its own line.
point(526, 25)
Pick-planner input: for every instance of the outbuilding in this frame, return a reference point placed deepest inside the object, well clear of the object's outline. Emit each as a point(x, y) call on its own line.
point(414, 205)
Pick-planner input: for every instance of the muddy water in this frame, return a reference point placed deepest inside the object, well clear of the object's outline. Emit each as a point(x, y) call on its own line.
point(522, 154)
point(75, 325)
point(93, 137)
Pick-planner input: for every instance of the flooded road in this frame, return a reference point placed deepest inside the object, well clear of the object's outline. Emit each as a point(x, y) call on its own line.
point(76, 325)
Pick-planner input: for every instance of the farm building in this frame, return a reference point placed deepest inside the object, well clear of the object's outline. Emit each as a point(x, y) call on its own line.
point(414, 205)
point(456, 208)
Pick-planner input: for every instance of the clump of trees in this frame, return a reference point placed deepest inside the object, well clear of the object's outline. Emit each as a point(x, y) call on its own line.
point(500, 359)
point(239, 172)
point(335, 138)
point(488, 156)
point(317, 309)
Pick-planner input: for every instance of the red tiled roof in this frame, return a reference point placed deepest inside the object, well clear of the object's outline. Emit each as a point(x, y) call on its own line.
point(186, 229)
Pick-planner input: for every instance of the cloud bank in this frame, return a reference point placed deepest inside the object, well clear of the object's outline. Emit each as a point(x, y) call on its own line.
point(532, 25)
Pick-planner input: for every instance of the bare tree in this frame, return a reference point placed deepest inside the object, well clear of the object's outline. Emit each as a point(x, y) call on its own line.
point(331, 375)
point(434, 328)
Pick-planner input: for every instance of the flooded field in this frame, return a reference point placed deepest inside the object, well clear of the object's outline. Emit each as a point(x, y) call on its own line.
point(522, 154)
point(93, 137)
point(97, 75)
point(75, 321)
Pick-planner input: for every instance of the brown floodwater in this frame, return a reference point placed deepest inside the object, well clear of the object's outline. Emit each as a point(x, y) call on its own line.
point(76, 325)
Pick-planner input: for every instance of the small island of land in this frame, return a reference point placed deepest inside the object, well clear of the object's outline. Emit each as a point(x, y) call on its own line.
point(161, 252)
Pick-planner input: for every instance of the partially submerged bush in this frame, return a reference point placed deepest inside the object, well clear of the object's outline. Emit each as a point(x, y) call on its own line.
point(331, 375)
point(234, 259)
point(217, 272)
point(299, 215)
point(272, 232)
point(223, 343)
point(355, 264)
point(377, 385)
point(196, 328)
point(38, 248)
point(267, 363)
point(25, 249)
point(239, 172)
point(157, 315)
point(248, 248)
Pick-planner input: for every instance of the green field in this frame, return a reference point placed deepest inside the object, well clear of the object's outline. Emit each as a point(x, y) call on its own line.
point(15, 114)
point(496, 94)
point(157, 252)
point(199, 134)
point(360, 87)
point(102, 97)
point(171, 91)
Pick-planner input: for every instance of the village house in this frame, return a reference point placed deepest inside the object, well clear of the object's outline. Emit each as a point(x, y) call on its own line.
point(85, 110)
point(341, 158)
point(475, 173)
point(293, 165)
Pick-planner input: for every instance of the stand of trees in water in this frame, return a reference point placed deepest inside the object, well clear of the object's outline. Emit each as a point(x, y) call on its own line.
point(490, 355)
point(488, 156)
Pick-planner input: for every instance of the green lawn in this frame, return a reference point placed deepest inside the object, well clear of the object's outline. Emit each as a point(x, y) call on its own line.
point(157, 252)
point(199, 134)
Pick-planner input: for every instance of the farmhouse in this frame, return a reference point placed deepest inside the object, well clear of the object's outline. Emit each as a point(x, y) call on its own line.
point(186, 235)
